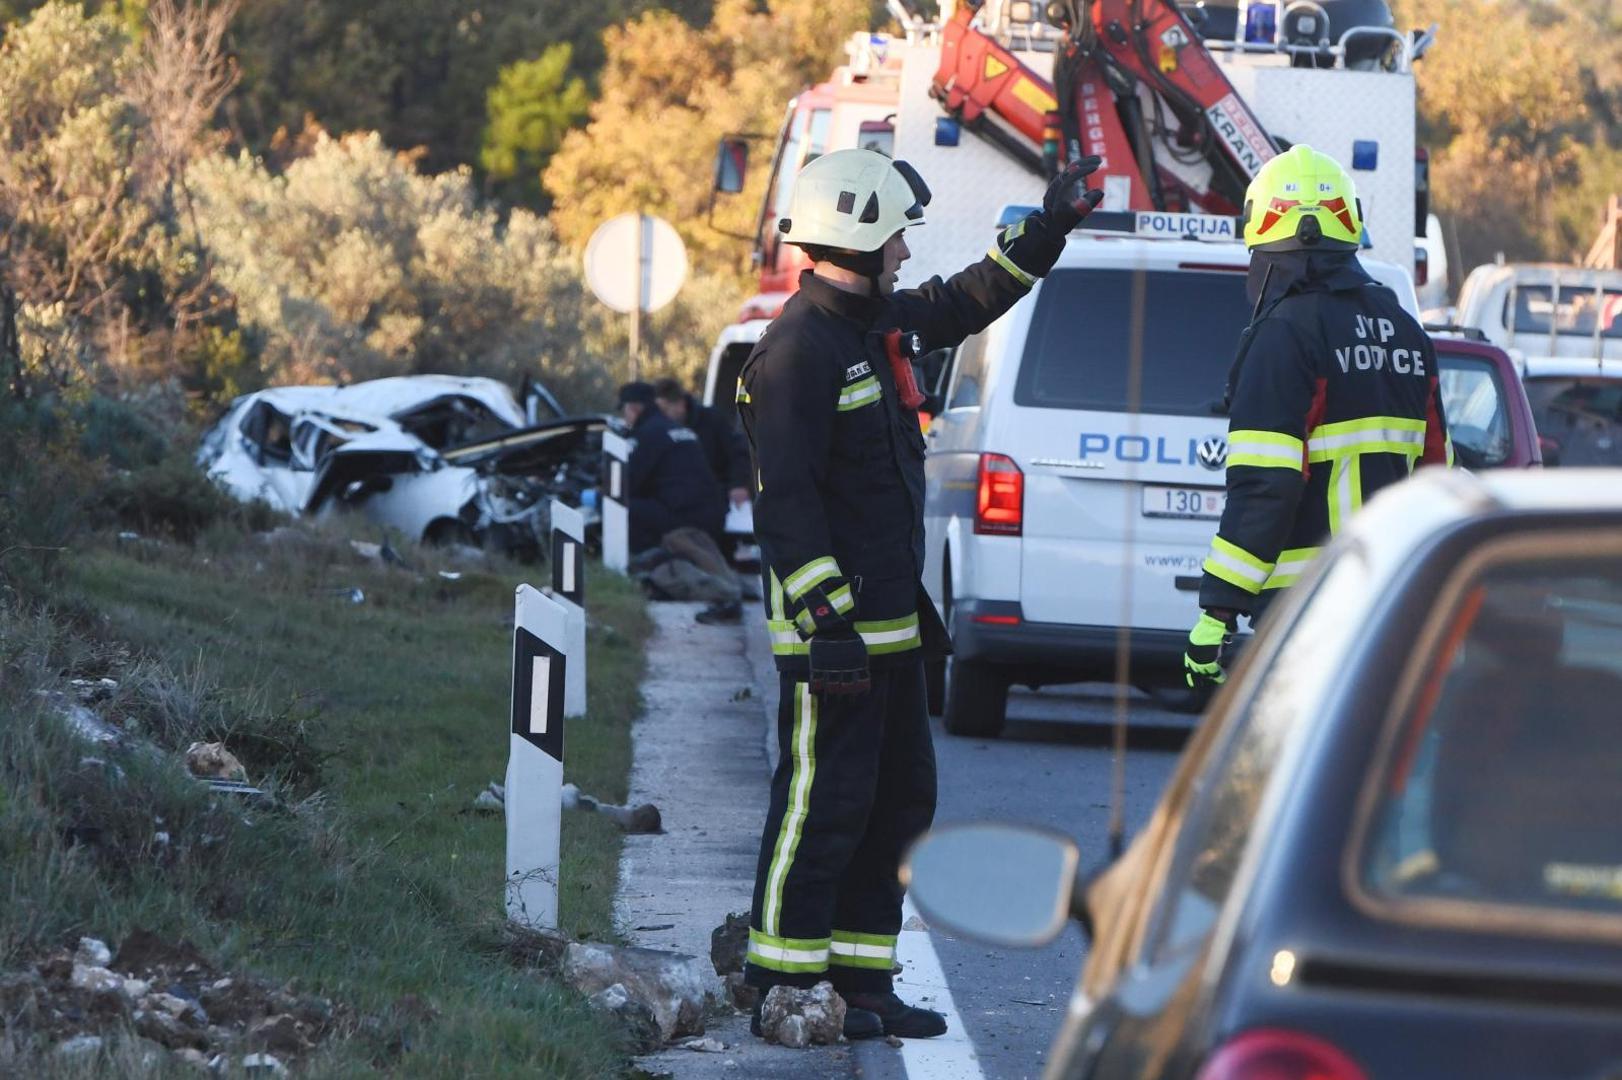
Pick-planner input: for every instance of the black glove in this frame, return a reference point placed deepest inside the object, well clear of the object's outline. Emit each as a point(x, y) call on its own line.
point(1202, 659)
point(1068, 198)
point(839, 663)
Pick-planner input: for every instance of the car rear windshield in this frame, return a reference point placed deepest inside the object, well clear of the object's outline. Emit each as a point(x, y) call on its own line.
point(1078, 354)
point(1506, 789)
point(1473, 397)
point(1578, 419)
point(1578, 310)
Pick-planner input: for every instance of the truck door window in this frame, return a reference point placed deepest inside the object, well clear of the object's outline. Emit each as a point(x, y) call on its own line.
point(968, 371)
point(1567, 309)
point(822, 122)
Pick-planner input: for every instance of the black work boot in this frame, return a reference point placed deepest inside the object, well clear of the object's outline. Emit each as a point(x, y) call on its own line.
point(897, 1017)
point(859, 1023)
point(720, 614)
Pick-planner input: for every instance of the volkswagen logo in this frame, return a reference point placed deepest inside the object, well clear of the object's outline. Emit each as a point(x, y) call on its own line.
point(1213, 452)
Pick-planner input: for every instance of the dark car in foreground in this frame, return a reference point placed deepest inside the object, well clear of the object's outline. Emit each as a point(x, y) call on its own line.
point(1393, 847)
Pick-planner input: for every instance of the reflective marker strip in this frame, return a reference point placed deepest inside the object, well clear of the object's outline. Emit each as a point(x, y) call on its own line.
point(786, 639)
point(1345, 491)
point(1375, 435)
point(841, 600)
point(890, 635)
point(787, 954)
point(1291, 565)
point(996, 256)
point(862, 950)
point(799, 804)
point(858, 394)
point(810, 575)
point(1264, 449)
point(742, 395)
point(1236, 566)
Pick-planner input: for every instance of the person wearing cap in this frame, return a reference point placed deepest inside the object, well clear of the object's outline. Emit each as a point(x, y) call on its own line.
point(724, 445)
point(668, 482)
point(1333, 395)
point(829, 402)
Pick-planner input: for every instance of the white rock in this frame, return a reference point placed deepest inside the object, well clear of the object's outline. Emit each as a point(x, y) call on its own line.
point(799, 1017)
point(676, 987)
point(97, 980)
point(708, 1045)
point(793, 1032)
point(135, 988)
point(80, 1046)
point(93, 952)
point(268, 1064)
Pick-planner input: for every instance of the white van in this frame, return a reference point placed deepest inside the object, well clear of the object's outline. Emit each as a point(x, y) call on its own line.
point(1069, 506)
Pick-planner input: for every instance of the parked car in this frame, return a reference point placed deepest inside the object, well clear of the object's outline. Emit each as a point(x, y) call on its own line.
point(1392, 847)
point(441, 459)
point(1488, 413)
point(1050, 465)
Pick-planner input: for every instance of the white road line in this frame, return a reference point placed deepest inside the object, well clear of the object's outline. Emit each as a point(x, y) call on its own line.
point(951, 1056)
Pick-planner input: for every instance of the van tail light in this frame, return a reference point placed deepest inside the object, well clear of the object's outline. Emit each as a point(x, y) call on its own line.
point(999, 508)
point(1276, 1054)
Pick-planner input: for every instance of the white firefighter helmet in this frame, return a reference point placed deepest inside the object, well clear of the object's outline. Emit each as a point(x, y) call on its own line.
point(854, 200)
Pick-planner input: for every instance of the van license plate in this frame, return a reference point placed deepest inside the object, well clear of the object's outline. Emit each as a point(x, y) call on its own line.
point(1202, 504)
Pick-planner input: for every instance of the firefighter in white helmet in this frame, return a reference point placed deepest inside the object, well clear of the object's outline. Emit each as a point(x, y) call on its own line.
point(829, 403)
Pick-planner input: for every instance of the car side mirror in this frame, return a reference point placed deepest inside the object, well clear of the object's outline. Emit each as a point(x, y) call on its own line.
point(1001, 884)
point(731, 165)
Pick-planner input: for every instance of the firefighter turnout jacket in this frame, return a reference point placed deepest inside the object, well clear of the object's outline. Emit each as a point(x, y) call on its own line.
point(839, 456)
point(1333, 396)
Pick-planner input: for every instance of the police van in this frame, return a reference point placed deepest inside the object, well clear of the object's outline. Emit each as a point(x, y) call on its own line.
point(1075, 474)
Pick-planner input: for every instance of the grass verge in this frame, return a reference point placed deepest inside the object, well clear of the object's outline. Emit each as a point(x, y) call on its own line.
point(377, 722)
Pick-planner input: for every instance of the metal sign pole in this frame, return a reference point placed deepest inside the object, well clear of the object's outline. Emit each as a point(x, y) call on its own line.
point(642, 259)
point(616, 502)
point(535, 759)
point(569, 590)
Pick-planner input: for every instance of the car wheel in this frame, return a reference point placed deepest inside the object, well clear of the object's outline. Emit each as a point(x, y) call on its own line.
point(977, 694)
point(976, 700)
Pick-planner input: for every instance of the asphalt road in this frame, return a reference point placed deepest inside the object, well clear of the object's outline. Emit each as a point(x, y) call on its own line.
point(1052, 768)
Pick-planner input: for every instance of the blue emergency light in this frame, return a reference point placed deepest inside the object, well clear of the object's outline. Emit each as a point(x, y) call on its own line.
point(1365, 155)
point(947, 131)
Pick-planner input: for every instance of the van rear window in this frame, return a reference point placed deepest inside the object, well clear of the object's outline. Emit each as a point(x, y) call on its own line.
point(1078, 353)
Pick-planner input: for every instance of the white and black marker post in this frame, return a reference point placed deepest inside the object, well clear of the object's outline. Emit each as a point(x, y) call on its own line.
point(569, 589)
point(535, 758)
point(616, 502)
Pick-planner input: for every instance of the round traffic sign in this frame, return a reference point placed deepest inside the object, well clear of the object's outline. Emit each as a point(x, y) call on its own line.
point(635, 257)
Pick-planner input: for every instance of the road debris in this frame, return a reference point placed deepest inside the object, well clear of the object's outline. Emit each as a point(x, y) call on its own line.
point(915, 923)
point(707, 1045)
point(893, 1042)
point(167, 998)
point(799, 1018)
point(674, 986)
point(212, 761)
point(729, 944)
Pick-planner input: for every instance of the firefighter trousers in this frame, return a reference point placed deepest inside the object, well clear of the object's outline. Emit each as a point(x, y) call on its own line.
point(854, 787)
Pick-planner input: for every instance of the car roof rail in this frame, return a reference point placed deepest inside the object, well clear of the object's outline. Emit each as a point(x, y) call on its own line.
point(1473, 333)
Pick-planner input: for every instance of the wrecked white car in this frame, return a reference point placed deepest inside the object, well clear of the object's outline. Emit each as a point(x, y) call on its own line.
point(439, 458)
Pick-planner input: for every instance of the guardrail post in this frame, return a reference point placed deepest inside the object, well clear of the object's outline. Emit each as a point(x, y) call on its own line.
point(569, 590)
point(616, 502)
point(534, 794)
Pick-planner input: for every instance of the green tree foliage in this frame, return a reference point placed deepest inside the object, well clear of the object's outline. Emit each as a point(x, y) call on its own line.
point(532, 106)
point(669, 91)
point(94, 132)
point(352, 264)
point(415, 72)
point(1521, 104)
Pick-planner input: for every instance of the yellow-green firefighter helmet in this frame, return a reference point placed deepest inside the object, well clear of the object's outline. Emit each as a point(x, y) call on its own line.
point(854, 200)
point(1302, 200)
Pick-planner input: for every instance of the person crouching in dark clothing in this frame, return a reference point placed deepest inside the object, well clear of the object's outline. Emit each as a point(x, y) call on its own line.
point(725, 448)
point(670, 485)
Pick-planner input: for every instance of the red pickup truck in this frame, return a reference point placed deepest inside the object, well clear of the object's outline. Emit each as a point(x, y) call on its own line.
point(1488, 413)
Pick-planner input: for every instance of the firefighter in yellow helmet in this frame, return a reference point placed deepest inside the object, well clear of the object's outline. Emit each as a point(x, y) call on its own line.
point(830, 406)
point(1333, 395)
